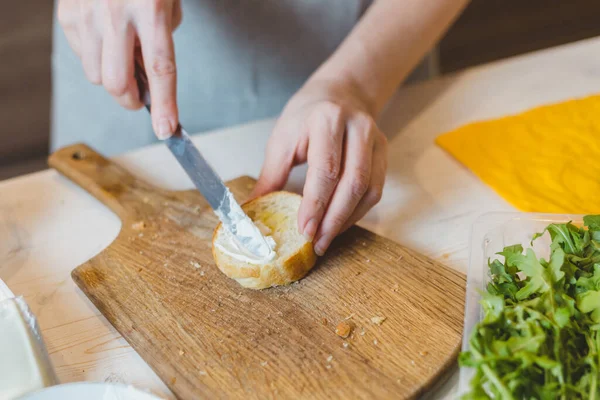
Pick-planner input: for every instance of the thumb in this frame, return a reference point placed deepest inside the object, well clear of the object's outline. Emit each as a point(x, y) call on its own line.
point(276, 169)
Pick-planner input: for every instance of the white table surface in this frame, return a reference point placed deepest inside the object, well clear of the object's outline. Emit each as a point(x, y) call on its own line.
point(48, 226)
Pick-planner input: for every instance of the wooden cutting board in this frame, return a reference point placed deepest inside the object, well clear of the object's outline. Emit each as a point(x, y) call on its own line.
point(207, 337)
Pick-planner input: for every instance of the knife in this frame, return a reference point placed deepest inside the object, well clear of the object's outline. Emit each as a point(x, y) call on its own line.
point(208, 183)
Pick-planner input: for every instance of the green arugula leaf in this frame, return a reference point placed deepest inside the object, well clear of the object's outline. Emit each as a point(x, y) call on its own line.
point(589, 302)
point(492, 306)
point(499, 272)
point(537, 278)
point(577, 238)
point(562, 236)
point(590, 283)
point(509, 252)
point(592, 222)
point(557, 259)
point(562, 316)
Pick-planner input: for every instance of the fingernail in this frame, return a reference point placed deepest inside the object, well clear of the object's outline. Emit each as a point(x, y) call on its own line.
point(321, 245)
point(164, 129)
point(310, 229)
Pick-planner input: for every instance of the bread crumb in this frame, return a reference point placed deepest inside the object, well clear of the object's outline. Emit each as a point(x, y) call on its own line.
point(201, 273)
point(399, 258)
point(412, 362)
point(362, 332)
point(155, 236)
point(202, 372)
point(343, 329)
point(378, 320)
point(141, 235)
point(368, 260)
point(330, 358)
point(165, 265)
point(324, 321)
point(375, 342)
point(364, 243)
point(423, 353)
point(328, 366)
point(349, 316)
point(141, 252)
point(195, 264)
point(264, 363)
point(138, 226)
point(345, 345)
point(395, 287)
point(181, 352)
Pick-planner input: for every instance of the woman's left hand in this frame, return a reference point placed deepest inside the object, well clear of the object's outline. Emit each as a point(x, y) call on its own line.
point(329, 126)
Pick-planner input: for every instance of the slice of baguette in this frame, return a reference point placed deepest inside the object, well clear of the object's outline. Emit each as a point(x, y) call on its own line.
point(278, 211)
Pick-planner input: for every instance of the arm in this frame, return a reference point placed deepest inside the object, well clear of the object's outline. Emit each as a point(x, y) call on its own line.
point(389, 41)
point(330, 121)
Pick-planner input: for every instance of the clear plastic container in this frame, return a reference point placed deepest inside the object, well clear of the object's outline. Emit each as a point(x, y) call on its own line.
point(490, 234)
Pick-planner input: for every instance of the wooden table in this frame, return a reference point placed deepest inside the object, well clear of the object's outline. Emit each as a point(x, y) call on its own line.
point(48, 226)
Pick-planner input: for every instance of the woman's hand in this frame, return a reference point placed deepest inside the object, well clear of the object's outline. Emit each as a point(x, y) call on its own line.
point(328, 125)
point(106, 34)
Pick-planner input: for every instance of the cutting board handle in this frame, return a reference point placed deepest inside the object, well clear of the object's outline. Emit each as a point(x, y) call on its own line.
point(122, 192)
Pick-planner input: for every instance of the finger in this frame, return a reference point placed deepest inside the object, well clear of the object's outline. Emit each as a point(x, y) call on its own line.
point(278, 163)
point(177, 15)
point(73, 39)
point(91, 44)
point(67, 14)
point(354, 182)
point(326, 137)
point(159, 60)
point(117, 59)
point(375, 190)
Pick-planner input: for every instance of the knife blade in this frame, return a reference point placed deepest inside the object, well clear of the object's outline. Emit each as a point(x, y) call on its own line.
point(217, 194)
point(210, 185)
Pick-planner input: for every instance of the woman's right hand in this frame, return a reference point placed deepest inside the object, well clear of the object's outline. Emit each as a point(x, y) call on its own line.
point(106, 35)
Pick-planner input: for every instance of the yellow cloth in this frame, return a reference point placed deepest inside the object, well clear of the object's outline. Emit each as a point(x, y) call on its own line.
point(545, 160)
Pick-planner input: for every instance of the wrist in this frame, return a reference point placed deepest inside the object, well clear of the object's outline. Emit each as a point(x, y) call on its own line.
point(343, 87)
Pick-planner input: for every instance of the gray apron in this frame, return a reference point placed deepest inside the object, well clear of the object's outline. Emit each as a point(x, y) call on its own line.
point(237, 61)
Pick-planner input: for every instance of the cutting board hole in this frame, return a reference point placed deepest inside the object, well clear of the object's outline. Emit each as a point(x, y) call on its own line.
point(78, 155)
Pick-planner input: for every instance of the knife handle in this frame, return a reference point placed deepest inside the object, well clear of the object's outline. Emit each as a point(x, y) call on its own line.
point(126, 195)
point(142, 81)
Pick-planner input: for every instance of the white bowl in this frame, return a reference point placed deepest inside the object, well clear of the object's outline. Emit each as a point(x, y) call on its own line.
point(89, 391)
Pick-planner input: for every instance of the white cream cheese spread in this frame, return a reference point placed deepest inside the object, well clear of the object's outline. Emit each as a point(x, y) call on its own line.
point(230, 247)
point(249, 243)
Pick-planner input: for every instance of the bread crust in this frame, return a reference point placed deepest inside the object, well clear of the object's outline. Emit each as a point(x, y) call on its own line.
point(276, 273)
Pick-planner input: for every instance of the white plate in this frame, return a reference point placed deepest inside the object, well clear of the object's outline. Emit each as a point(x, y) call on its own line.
point(90, 391)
